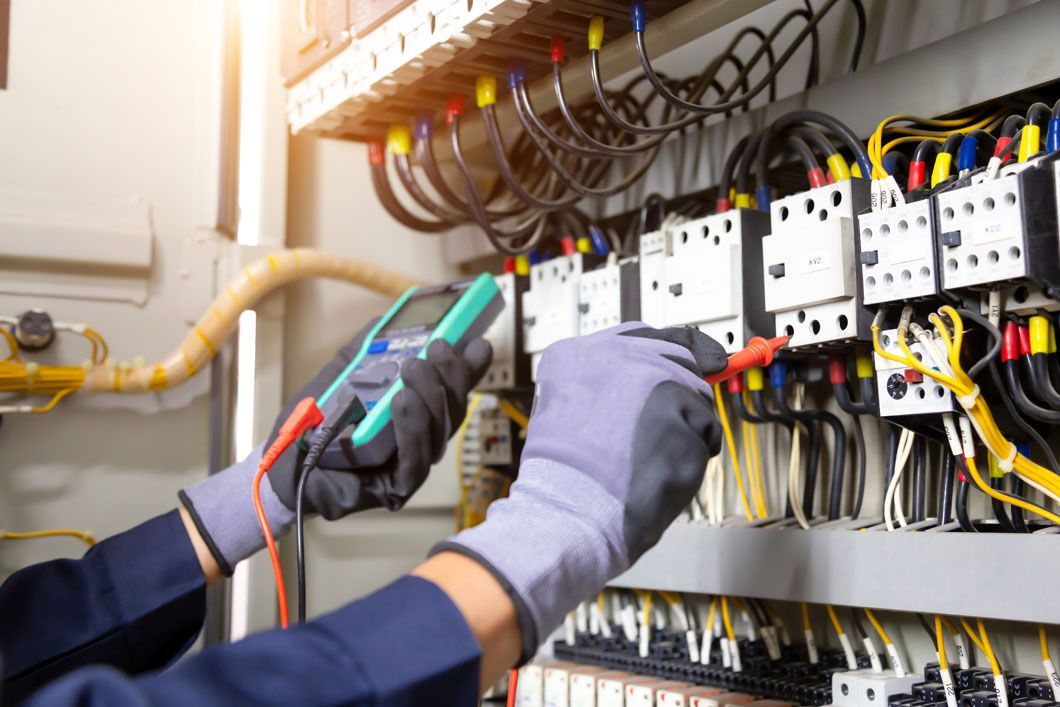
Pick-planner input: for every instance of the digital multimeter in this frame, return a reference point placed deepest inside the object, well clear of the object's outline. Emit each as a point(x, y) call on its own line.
point(456, 312)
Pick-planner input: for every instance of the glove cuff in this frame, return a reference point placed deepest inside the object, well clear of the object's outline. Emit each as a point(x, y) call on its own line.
point(554, 541)
point(222, 508)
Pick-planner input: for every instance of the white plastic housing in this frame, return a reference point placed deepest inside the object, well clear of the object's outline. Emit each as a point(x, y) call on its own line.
point(903, 241)
point(896, 394)
point(530, 692)
point(989, 218)
point(495, 435)
point(812, 239)
point(557, 686)
point(875, 689)
point(600, 299)
point(550, 306)
point(502, 337)
point(654, 249)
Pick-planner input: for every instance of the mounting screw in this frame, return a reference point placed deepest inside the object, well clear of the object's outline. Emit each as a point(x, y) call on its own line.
point(34, 330)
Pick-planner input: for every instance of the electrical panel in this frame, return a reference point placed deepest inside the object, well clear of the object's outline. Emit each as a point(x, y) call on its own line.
point(499, 442)
point(654, 248)
point(809, 265)
point(510, 368)
point(905, 391)
point(1001, 231)
point(609, 296)
point(897, 257)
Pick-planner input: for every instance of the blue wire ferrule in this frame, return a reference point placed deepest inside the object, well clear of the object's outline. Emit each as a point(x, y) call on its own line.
point(1052, 136)
point(535, 256)
point(890, 163)
point(599, 241)
point(763, 197)
point(966, 155)
point(516, 75)
point(778, 374)
point(423, 126)
point(636, 14)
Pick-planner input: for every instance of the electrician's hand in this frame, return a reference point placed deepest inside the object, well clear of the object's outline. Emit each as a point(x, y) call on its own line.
point(425, 415)
point(621, 430)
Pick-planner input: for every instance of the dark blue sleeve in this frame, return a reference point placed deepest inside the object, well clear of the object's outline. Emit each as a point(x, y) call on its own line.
point(135, 601)
point(405, 645)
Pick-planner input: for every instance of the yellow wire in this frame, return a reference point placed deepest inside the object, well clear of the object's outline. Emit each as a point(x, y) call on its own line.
point(646, 611)
point(757, 485)
point(973, 635)
point(461, 434)
point(878, 626)
point(835, 620)
point(723, 415)
point(726, 619)
point(12, 346)
point(1043, 642)
point(515, 414)
point(987, 648)
point(711, 613)
point(875, 143)
point(806, 616)
point(50, 405)
point(940, 641)
point(95, 337)
point(82, 535)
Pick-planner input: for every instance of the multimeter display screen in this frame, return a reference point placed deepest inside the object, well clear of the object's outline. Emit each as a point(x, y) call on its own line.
point(422, 311)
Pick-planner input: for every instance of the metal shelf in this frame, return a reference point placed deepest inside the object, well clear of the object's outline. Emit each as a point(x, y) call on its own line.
point(989, 575)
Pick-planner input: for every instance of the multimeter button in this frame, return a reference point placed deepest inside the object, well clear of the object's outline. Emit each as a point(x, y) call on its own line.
point(376, 376)
point(417, 341)
point(370, 404)
point(378, 347)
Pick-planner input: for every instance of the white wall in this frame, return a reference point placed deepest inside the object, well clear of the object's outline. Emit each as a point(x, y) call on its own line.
point(111, 99)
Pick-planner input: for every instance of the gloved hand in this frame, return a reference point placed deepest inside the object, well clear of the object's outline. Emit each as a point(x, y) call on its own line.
point(425, 415)
point(620, 433)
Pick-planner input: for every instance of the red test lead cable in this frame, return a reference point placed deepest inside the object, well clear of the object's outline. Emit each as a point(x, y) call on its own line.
point(759, 352)
point(306, 415)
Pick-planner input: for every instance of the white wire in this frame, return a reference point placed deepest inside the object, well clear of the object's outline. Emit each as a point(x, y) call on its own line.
point(891, 499)
point(794, 466)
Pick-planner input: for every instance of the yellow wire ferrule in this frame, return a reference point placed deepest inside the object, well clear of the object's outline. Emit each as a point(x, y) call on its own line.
point(399, 139)
point(940, 171)
point(1051, 349)
point(855, 171)
point(743, 201)
point(838, 167)
point(485, 91)
point(584, 245)
point(863, 364)
point(596, 33)
point(1040, 328)
point(522, 265)
point(1030, 141)
point(755, 378)
point(993, 468)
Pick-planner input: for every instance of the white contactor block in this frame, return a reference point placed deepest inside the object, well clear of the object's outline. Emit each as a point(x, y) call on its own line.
point(897, 253)
point(609, 296)
point(809, 265)
point(505, 336)
point(550, 306)
point(530, 692)
point(654, 249)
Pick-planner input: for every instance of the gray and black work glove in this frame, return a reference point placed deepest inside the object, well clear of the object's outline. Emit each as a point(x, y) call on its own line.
point(425, 415)
point(622, 427)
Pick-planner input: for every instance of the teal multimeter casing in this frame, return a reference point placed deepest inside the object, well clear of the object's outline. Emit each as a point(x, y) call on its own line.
point(456, 312)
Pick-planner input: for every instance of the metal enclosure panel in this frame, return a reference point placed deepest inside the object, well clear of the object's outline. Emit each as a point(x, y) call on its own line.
point(853, 568)
point(901, 241)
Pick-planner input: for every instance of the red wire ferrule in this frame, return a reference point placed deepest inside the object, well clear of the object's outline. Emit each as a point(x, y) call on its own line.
point(1002, 143)
point(736, 385)
point(557, 48)
point(837, 370)
point(723, 204)
point(816, 177)
point(1010, 344)
point(569, 245)
point(917, 175)
point(1025, 340)
point(377, 153)
point(454, 108)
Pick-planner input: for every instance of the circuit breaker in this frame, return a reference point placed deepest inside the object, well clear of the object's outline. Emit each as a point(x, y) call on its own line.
point(809, 265)
point(510, 369)
point(1001, 230)
point(550, 306)
point(608, 296)
point(713, 280)
point(654, 249)
point(905, 391)
point(897, 258)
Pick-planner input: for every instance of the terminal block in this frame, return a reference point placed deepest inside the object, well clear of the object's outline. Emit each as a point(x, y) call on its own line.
point(809, 265)
point(897, 258)
point(865, 688)
point(706, 274)
point(608, 296)
point(906, 391)
point(1001, 231)
point(550, 306)
point(510, 369)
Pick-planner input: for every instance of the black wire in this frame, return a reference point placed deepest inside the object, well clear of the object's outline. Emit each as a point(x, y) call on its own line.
point(858, 626)
point(927, 627)
point(859, 439)
point(742, 412)
point(841, 130)
point(813, 72)
point(962, 502)
point(815, 137)
point(759, 400)
point(868, 394)
point(1012, 125)
point(1019, 523)
point(1043, 383)
point(399, 213)
point(1038, 114)
point(892, 452)
point(995, 335)
point(919, 479)
point(731, 162)
point(998, 507)
point(946, 481)
point(809, 418)
point(408, 180)
point(1025, 405)
point(920, 154)
point(425, 157)
point(299, 520)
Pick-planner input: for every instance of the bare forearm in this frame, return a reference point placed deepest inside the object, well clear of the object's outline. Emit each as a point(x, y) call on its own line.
point(210, 569)
point(486, 607)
